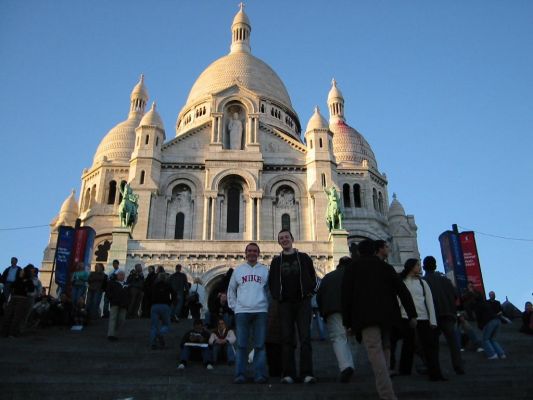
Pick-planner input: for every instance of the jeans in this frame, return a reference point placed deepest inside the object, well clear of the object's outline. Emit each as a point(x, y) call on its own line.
point(299, 314)
point(246, 324)
point(159, 313)
point(341, 346)
point(94, 298)
point(77, 292)
point(177, 305)
point(318, 322)
point(185, 354)
point(491, 346)
point(228, 347)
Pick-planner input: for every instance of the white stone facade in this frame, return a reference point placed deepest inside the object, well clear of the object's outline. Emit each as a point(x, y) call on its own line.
point(238, 169)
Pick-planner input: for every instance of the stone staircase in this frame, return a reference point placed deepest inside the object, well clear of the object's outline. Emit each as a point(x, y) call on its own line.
point(56, 363)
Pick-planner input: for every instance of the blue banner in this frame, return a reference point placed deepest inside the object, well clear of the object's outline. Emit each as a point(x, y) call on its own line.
point(453, 259)
point(65, 243)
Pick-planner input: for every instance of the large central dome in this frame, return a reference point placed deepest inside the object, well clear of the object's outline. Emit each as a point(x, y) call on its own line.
point(243, 69)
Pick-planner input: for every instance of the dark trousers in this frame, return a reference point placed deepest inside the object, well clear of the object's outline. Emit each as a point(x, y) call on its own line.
point(429, 342)
point(447, 328)
point(15, 315)
point(136, 295)
point(297, 314)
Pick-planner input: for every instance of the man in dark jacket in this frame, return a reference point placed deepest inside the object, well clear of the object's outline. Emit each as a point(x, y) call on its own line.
point(9, 276)
point(292, 282)
point(330, 305)
point(444, 298)
point(162, 297)
point(178, 283)
point(135, 284)
point(369, 308)
point(118, 294)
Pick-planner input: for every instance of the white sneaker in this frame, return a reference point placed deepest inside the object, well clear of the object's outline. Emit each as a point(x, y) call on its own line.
point(462, 350)
point(309, 379)
point(503, 356)
point(480, 349)
point(287, 379)
point(209, 367)
point(494, 357)
point(181, 366)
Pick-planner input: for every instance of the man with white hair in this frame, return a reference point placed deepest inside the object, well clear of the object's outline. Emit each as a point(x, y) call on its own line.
point(118, 295)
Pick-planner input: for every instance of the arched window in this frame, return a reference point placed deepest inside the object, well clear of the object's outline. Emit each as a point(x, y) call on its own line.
point(357, 195)
point(233, 214)
point(375, 199)
point(380, 202)
point(87, 199)
point(180, 226)
point(324, 182)
point(112, 192)
point(122, 184)
point(93, 195)
point(286, 222)
point(346, 195)
point(141, 181)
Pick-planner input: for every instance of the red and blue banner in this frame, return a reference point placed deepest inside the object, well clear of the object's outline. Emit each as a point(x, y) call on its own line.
point(83, 247)
point(472, 264)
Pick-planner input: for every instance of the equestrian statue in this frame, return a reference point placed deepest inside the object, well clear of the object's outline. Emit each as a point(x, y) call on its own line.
point(127, 210)
point(333, 213)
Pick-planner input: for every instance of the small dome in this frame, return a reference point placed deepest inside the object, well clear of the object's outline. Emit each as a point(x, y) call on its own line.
point(152, 118)
point(317, 121)
point(118, 144)
point(140, 91)
point(241, 17)
point(334, 92)
point(69, 211)
point(396, 209)
point(349, 146)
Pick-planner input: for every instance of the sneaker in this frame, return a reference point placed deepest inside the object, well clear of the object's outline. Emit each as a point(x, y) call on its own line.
point(309, 379)
point(503, 356)
point(480, 349)
point(209, 366)
point(261, 380)
point(287, 379)
point(161, 341)
point(346, 374)
point(239, 380)
point(181, 366)
point(494, 357)
point(462, 350)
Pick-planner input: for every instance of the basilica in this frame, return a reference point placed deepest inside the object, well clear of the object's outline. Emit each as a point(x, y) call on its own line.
point(239, 168)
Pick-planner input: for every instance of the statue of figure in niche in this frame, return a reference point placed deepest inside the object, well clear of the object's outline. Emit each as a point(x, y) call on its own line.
point(285, 198)
point(235, 132)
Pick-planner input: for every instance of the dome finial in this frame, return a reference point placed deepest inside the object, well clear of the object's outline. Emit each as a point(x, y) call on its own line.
point(333, 82)
point(138, 99)
point(240, 32)
point(154, 106)
point(394, 197)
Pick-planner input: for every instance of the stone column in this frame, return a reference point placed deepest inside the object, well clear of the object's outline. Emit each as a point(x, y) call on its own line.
point(212, 201)
point(258, 219)
point(338, 239)
point(119, 247)
point(206, 217)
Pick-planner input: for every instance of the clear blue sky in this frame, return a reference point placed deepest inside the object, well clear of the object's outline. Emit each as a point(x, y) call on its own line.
point(442, 91)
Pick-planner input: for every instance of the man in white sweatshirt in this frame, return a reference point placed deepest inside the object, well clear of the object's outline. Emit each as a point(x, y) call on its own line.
point(247, 297)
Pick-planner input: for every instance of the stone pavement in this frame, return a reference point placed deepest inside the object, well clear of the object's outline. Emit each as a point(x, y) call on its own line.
point(56, 363)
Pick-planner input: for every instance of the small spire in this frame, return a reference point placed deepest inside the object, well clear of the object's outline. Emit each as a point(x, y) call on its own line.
point(241, 6)
point(394, 196)
point(333, 82)
point(142, 78)
point(317, 110)
point(154, 106)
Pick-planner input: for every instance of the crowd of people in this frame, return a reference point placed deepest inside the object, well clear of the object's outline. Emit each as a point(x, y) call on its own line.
point(270, 310)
